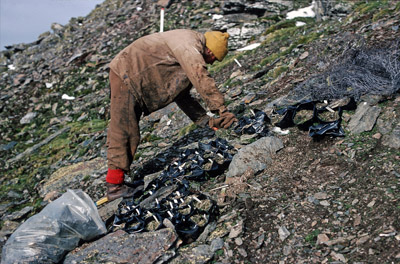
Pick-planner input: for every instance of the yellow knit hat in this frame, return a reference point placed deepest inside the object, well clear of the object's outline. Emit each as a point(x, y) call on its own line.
point(217, 42)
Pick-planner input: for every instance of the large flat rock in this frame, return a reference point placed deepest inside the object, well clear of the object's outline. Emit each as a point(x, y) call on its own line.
point(121, 247)
point(364, 118)
point(393, 139)
point(63, 178)
point(255, 156)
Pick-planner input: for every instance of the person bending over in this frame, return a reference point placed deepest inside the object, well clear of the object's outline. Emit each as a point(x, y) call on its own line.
point(150, 73)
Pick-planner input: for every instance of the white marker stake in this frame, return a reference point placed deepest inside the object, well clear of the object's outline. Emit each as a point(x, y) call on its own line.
point(238, 63)
point(162, 20)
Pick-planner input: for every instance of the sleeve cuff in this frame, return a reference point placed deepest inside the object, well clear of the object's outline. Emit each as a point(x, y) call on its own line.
point(115, 176)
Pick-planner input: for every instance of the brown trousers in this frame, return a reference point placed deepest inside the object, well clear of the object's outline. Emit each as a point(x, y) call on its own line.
point(123, 134)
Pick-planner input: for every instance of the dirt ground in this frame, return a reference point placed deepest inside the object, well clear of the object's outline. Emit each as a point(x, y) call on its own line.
point(312, 188)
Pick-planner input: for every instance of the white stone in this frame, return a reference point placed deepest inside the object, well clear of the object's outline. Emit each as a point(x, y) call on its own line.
point(216, 17)
point(325, 203)
point(321, 195)
point(300, 24)
point(250, 47)
point(283, 233)
point(371, 204)
point(28, 118)
point(67, 97)
point(302, 12)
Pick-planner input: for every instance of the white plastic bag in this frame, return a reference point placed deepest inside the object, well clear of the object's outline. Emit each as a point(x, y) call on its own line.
point(47, 236)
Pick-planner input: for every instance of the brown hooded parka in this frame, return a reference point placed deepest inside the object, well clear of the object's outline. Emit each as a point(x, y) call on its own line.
point(160, 66)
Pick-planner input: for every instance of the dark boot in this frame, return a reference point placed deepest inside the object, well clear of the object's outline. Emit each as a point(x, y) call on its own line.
point(115, 191)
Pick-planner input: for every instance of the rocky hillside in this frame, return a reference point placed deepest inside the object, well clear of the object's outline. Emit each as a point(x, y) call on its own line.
point(286, 197)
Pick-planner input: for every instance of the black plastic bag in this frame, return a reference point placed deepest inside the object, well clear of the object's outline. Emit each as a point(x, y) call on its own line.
point(316, 126)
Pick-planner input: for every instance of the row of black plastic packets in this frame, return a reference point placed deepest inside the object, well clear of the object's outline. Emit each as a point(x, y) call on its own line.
point(169, 195)
point(189, 213)
point(253, 124)
point(208, 160)
point(316, 124)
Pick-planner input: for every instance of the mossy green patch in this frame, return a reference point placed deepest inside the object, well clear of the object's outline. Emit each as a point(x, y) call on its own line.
point(370, 6)
point(309, 38)
point(137, 155)
point(380, 14)
point(289, 23)
point(397, 8)
point(56, 150)
point(300, 4)
point(150, 138)
point(86, 178)
point(186, 130)
point(22, 179)
point(280, 25)
point(278, 71)
point(37, 204)
point(284, 36)
point(232, 82)
point(219, 252)
point(312, 237)
point(90, 126)
point(224, 133)
point(60, 148)
point(281, 35)
point(269, 59)
point(219, 65)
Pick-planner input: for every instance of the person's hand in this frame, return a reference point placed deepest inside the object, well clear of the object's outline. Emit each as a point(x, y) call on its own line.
point(203, 121)
point(225, 120)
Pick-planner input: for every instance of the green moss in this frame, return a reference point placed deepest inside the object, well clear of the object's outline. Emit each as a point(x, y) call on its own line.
point(288, 34)
point(86, 178)
point(309, 38)
point(82, 151)
point(22, 179)
point(228, 102)
point(275, 18)
point(223, 133)
point(300, 4)
point(85, 127)
point(270, 59)
point(56, 150)
point(230, 58)
point(137, 155)
point(312, 237)
point(380, 14)
point(279, 70)
point(219, 252)
point(370, 6)
point(37, 204)
point(186, 130)
point(150, 138)
point(58, 146)
point(397, 8)
point(231, 82)
point(280, 25)
point(280, 35)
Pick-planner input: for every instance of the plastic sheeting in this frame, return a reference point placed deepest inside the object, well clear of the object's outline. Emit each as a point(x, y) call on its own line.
point(169, 196)
point(256, 124)
point(47, 236)
point(316, 126)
